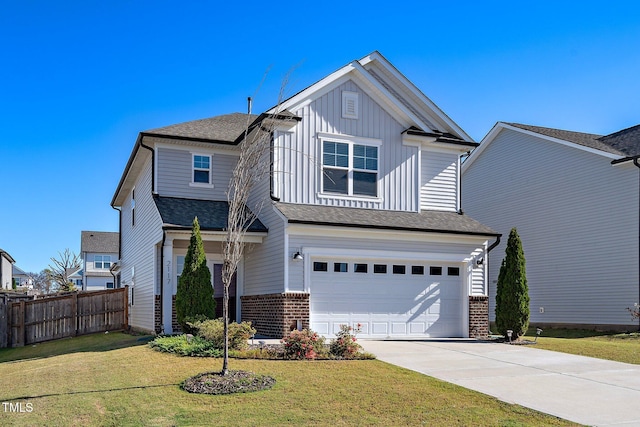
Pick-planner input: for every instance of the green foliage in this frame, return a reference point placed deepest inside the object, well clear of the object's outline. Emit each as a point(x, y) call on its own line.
point(14, 285)
point(344, 345)
point(303, 344)
point(186, 345)
point(213, 330)
point(195, 293)
point(512, 292)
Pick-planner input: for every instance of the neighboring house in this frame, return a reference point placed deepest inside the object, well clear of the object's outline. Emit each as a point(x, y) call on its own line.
point(99, 252)
point(574, 199)
point(361, 223)
point(6, 270)
point(75, 276)
point(21, 278)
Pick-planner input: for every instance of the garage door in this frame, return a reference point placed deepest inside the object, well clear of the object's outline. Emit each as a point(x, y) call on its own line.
point(389, 299)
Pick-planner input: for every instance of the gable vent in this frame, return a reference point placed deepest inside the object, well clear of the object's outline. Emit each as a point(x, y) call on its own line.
point(349, 105)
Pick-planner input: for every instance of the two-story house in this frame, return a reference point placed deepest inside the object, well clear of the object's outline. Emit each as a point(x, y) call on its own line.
point(99, 251)
point(362, 222)
point(6, 270)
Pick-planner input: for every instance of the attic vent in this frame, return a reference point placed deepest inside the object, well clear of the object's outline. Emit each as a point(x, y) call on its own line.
point(349, 105)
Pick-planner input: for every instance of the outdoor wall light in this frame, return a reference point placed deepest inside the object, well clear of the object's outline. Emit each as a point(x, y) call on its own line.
point(480, 261)
point(298, 256)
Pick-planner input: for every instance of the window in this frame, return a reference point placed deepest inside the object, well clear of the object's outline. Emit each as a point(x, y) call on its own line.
point(109, 285)
point(320, 266)
point(360, 268)
point(380, 268)
point(435, 271)
point(453, 271)
point(349, 168)
point(201, 169)
point(102, 262)
point(179, 268)
point(340, 267)
point(399, 269)
point(417, 269)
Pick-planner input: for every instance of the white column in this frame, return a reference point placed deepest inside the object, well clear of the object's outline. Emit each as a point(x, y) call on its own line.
point(168, 277)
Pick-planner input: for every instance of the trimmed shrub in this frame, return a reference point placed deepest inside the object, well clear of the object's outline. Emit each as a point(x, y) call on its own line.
point(512, 292)
point(186, 345)
point(213, 331)
point(195, 293)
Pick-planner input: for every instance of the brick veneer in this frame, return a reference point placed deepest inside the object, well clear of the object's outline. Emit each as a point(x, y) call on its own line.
point(478, 316)
point(158, 315)
point(275, 315)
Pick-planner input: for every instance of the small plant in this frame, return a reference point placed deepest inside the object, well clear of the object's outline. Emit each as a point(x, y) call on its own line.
point(213, 330)
point(344, 345)
point(186, 345)
point(303, 344)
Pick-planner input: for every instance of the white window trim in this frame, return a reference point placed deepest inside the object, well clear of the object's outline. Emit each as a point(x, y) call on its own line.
point(193, 169)
point(102, 261)
point(350, 141)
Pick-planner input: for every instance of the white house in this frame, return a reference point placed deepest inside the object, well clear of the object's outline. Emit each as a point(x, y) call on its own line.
point(362, 223)
point(6, 270)
point(574, 199)
point(99, 252)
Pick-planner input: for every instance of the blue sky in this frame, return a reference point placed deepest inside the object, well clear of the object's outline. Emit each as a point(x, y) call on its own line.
point(79, 80)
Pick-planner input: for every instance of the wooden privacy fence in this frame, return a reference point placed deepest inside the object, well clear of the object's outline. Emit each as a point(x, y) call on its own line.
point(79, 313)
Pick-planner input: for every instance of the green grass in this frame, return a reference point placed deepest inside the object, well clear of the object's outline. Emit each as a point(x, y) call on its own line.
point(113, 380)
point(603, 345)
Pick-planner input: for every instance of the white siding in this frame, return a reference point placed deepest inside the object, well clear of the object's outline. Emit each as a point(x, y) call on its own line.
point(138, 249)
point(439, 180)
point(175, 168)
point(6, 273)
point(577, 216)
point(299, 153)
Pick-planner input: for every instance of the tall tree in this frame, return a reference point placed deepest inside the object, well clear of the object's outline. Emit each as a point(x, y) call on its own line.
point(61, 268)
point(41, 281)
point(512, 292)
point(194, 297)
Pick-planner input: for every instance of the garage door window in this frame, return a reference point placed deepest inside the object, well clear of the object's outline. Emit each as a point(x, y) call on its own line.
point(380, 268)
point(435, 271)
point(320, 266)
point(399, 269)
point(360, 268)
point(417, 269)
point(453, 271)
point(340, 267)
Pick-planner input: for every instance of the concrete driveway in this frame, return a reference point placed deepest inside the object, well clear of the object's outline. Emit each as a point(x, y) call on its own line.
point(577, 388)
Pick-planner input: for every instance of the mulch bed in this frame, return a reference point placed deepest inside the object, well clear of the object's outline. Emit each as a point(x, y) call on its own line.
point(233, 382)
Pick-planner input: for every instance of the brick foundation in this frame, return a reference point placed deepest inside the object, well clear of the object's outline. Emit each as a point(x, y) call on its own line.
point(158, 316)
point(275, 315)
point(478, 316)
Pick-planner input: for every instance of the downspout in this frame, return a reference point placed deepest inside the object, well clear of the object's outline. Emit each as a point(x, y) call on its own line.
point(164, 237)
point(635, 162)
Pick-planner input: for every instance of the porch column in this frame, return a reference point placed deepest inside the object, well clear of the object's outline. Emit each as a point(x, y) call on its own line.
point(168, 278)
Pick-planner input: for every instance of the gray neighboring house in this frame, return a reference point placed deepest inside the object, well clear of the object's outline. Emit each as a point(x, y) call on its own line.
point(99, 252)
point(6, 270)
point(21, 278)
point(361, 223)
point(574, 198)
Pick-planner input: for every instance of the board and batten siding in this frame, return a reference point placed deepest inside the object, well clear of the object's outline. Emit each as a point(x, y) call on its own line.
point(439, 180)
point(175, 167)
point(577, 216)
point(299, 162)
point(138, 249)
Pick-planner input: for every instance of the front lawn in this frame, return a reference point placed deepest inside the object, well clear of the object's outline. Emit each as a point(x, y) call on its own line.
point(603, 345)
point(116, 380)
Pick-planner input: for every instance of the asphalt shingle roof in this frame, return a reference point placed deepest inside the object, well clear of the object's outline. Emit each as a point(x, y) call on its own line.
point(623, 143)
point(100, 241)
point(212, 215)
point(427, 221)
point(223, 129)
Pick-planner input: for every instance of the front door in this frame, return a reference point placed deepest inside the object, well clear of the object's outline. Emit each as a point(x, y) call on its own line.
point(218, 290)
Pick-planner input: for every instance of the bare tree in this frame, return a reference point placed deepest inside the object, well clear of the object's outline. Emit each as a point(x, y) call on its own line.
point(253, 166)
point(62, 267)
point(41, 281)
